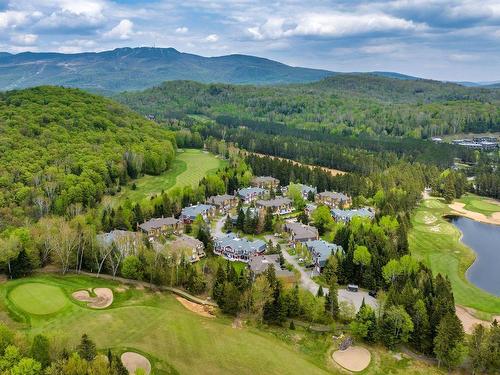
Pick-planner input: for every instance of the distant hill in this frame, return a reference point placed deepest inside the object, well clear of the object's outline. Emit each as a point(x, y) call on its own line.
point(138, 68)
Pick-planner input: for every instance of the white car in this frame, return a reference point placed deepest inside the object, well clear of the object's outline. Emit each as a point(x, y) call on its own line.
point(301, 260)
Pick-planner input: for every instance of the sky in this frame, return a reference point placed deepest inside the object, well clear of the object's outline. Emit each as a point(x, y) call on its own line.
point(455, 40)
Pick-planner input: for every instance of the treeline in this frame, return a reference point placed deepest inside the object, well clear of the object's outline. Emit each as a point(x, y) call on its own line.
point(487, 175)
point(63, 149)
point(49, 355)
point(349, 105)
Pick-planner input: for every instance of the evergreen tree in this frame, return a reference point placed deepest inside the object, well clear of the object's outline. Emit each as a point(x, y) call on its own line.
point(40, 350)
point(86, 349)
point(332, 299)
point(218, 287)
point(421, 335)
point(21, 265)
point(448, 343)
point(268, 221)
point(240, 221)
point(320, 292)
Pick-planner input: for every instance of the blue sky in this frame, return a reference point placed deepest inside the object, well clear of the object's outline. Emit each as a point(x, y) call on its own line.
point(449, 40)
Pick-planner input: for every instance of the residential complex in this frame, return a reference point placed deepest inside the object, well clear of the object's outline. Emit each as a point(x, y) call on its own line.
point(231, 247)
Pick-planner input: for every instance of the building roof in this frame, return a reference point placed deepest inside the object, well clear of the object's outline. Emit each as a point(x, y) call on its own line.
point(193, 211)
point(302, 231)
point(311, 207)
point(322, 249)
point(248, 191)
point(185, 242)
point(240, 245)
point(276, 202)
point(334, 195)
point(220, 199)
point(107, 239)
point(158, 223)
point(305, 189)
point(349, 214)
point(261, 263)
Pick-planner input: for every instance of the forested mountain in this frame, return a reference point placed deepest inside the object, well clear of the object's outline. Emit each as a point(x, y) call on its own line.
point(62, 149)
point(139, 68)
point(345, 104)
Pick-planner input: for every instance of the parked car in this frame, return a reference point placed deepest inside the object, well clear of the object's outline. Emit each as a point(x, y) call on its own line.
point(373, 293)
point(352, 288)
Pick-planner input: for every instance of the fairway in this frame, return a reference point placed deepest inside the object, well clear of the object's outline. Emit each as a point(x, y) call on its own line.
point(477, 204)
point(38, 299)
point(436, 242)
point(188, 168)
point(157, 326)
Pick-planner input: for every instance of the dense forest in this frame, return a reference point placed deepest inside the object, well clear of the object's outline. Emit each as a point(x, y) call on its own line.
point(61, 150)
point(349, 105)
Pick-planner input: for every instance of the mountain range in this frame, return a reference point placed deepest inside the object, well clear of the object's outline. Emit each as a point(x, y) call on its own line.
point(128, 69)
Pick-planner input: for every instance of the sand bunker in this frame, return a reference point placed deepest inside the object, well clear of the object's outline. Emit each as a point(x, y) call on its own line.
point(133, 361)
point(458, 209)
point(354, 358)
point(468, 320)
point(103, 297)
point(203, 310)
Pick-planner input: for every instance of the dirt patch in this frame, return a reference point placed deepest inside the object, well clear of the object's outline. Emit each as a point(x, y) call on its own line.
point(458, 209)
point(134, 361)
point(469, 320)
point(203, 310)
point(103, 297)
point(354, 358)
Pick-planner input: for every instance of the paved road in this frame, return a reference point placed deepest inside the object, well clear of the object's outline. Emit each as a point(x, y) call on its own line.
point(356, 298)
point(218, 227)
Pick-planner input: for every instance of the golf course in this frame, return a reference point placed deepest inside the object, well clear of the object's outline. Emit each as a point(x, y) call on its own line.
point(188, 168)
point(436, 242)
point(174, 339)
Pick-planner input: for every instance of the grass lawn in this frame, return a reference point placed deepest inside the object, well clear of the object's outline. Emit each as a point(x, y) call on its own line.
point(157, 325)
point(478, 204)
point(188, 168)
point(436, 242)
point(38, 298)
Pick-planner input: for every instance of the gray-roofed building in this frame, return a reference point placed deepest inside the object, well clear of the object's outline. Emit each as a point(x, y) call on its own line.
point(231, 247)
point(278, 206)
point(162, 226)
point(251, 194)
point(309, 208)
point(347, 215)
point(265, 182)
point(260, 264)
point(301, 233)
point(189, 214)
point(125, 241)
point(193, 248)
point(320, 251)
point(333, 199)
point(223, 202)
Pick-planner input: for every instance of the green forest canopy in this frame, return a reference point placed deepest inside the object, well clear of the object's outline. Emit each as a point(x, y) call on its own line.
point(346, 104)
point(62, 148)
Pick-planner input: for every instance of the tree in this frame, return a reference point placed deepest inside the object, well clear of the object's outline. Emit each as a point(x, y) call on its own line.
point(421, 335)
point(362, 257)
point(40, 349)
point(478, 351)
point(268, 221)
point(230, 299)
point(320, 292)
point(218, 287)
point(21, 266)
point(132, 268)
point(63, 243)
point(117, 366)
point(86, 349)
point(332, 307)
point(26, 366)
point(396, 326)
point(322, 219)
point(391, 270)
point(448, 343)
point(365, 324)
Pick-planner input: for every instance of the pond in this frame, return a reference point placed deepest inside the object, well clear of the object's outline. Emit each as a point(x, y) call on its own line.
point(484, 239)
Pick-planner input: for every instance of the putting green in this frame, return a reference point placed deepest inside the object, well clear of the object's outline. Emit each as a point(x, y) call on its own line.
point(38, 299)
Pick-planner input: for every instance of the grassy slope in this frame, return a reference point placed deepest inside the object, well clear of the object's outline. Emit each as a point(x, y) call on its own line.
point(178, 341)
point(437, 242)
point(189, 167)
point(156, 324)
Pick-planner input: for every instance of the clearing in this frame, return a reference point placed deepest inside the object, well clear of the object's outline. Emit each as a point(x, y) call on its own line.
point(436, 242)
point(188, 168)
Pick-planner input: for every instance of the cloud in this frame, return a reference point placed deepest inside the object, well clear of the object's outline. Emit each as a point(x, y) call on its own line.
point(123, 31)
point(13, 19)
point(333, 24)
point(212, 38)
point(24, 39)
point(181, 30)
